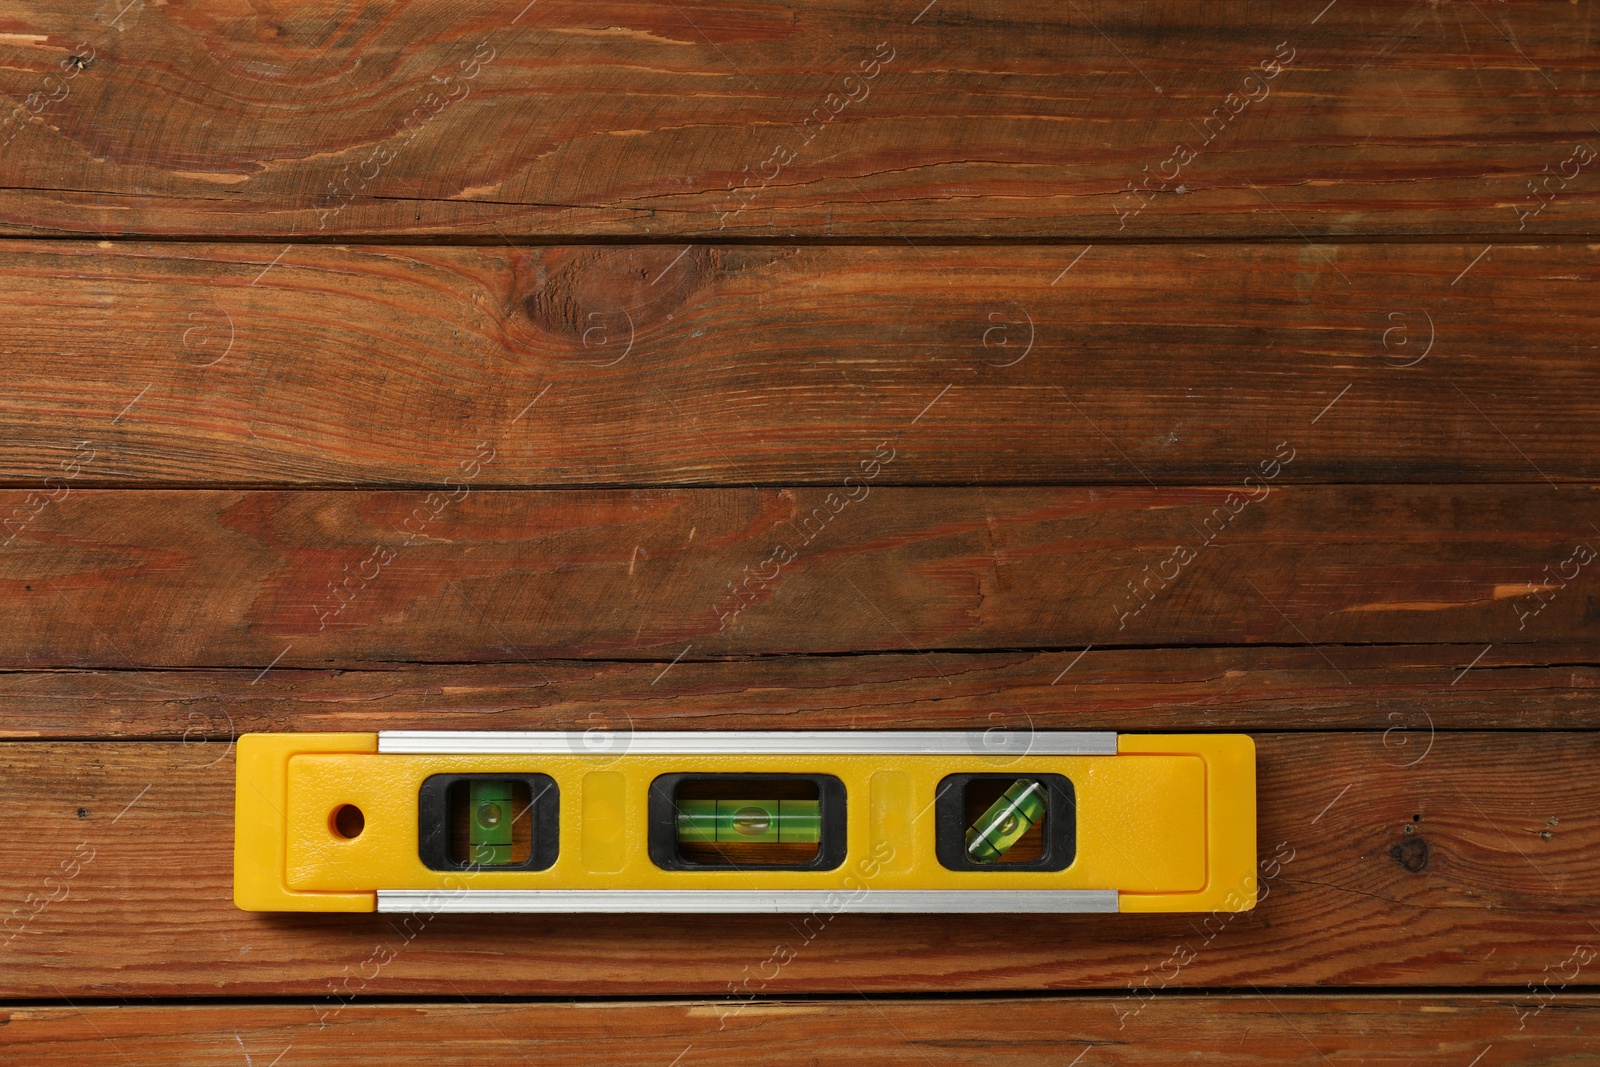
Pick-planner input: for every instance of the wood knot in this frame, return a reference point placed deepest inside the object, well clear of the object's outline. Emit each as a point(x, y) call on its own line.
point(596, 301)
point(1412, 854)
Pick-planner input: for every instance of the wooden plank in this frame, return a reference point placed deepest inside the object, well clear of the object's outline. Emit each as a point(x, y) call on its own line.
point(167, 578)
point(184, 364)
point(1092, 120)
point(1284, 1030)
point(1478, 863)
point(1407, 692)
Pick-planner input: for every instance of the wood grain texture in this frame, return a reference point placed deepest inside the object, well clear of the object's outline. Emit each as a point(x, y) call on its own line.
point(843, 117)
point(1406, 692)
point(1174, 365)
point(1474, 861)
point(183, 364)
point(1283, 1030)
point(166, 578)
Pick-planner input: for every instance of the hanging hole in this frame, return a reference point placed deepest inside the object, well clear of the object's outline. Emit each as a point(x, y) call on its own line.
point(347, 822)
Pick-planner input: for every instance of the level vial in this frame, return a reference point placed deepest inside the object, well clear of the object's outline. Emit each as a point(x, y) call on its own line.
point(739, 821)
point(1006, 820)
point(489, 813)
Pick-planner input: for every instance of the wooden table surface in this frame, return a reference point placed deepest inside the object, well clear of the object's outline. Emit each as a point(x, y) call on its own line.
point(570, 313)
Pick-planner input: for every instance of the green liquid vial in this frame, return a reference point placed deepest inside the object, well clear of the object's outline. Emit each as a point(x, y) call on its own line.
point(754, 821)
point(489, 815)
point(1016, 812)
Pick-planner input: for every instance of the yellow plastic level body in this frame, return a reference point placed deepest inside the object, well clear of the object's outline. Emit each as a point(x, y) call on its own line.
point(1168, 822)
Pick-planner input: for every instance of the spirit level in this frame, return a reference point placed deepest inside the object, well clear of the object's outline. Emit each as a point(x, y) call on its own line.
point(757, 821)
